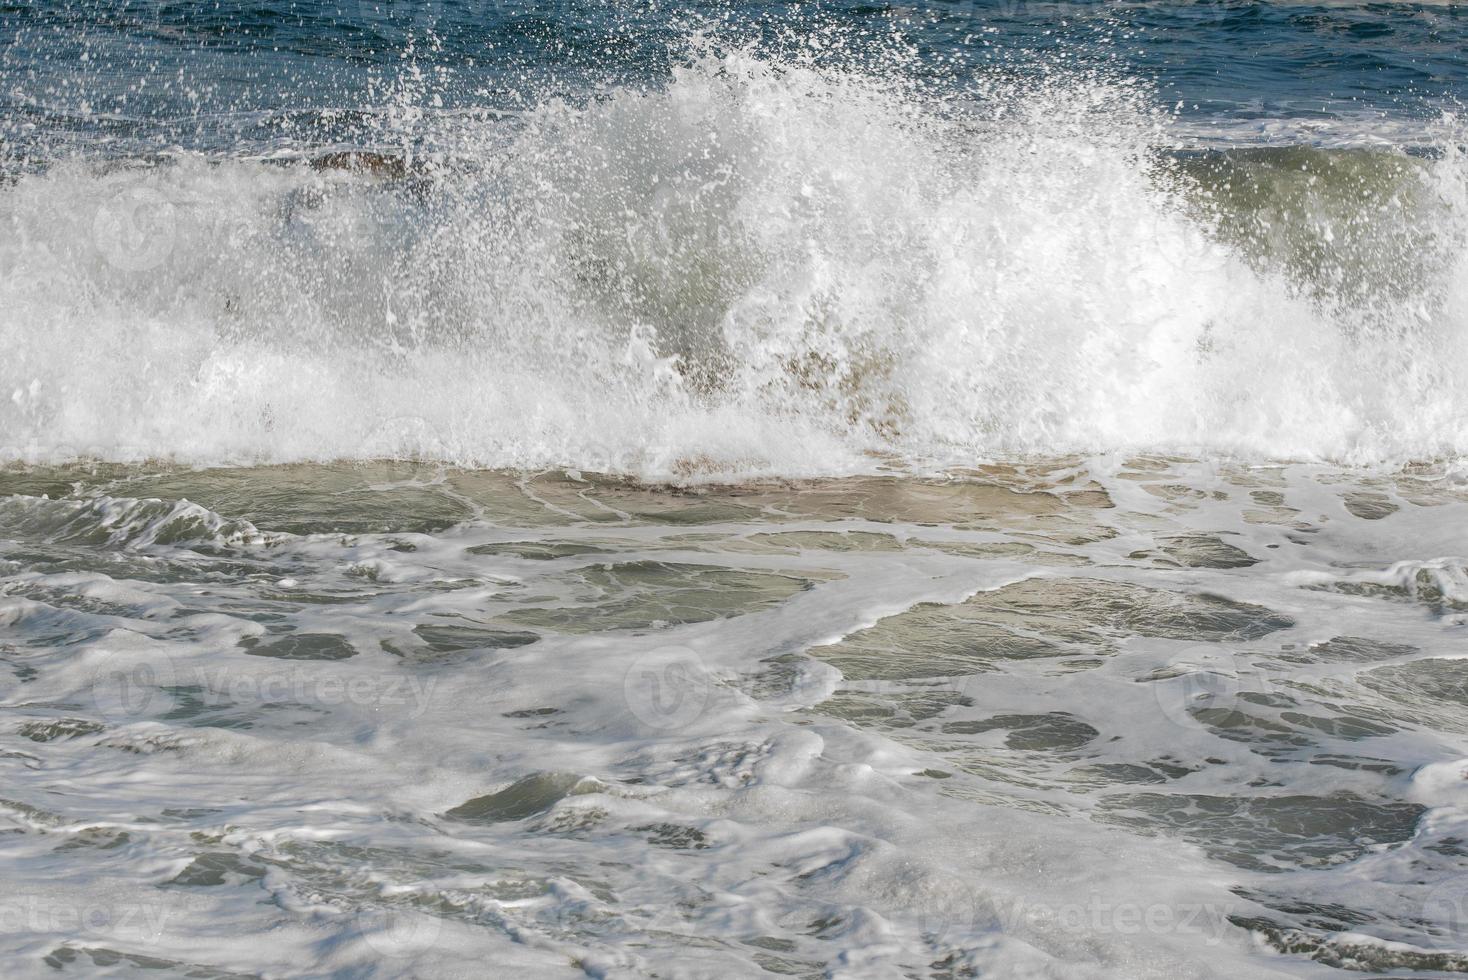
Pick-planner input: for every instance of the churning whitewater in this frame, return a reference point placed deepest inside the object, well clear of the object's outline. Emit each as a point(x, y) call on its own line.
point(759, 267)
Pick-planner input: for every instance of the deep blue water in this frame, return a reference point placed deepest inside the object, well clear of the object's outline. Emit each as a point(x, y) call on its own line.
point(237, 76)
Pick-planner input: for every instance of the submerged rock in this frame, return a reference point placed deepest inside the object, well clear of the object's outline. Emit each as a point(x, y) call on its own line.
point(524, 798)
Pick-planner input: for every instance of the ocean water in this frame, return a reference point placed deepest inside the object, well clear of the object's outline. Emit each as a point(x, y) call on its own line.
point(852, 490)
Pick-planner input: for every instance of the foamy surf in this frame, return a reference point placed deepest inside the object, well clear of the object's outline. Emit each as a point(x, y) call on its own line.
point(1151, 718)
point(760, 267)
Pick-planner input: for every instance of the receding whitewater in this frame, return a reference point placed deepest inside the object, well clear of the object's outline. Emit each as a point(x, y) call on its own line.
point(553, 489)
point(1138, 717)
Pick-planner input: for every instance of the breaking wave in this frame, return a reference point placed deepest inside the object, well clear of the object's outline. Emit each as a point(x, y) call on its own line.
point(760, 267)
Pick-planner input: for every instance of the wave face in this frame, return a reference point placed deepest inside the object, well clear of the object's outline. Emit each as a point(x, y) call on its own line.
point(761, 265)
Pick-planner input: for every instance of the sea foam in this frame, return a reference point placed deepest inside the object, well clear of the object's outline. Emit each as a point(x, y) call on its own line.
point(760, 267)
